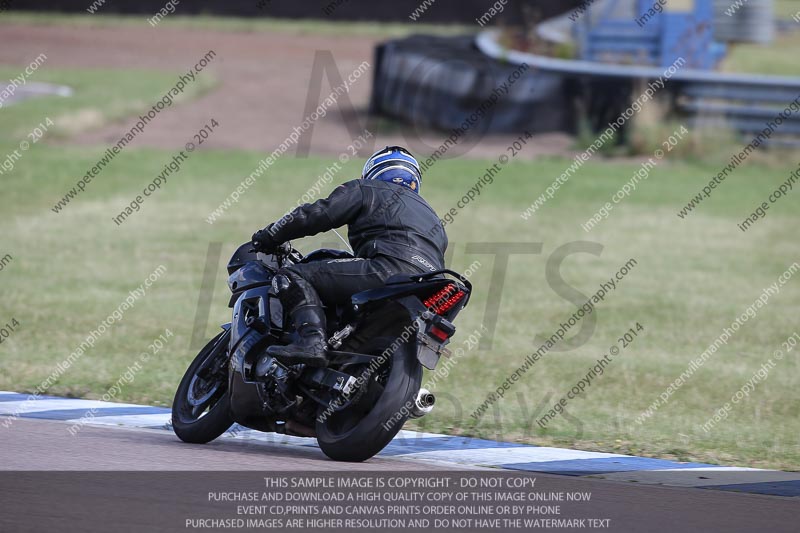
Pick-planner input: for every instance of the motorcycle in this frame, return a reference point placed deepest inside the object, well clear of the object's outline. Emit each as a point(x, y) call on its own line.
point(378, 344)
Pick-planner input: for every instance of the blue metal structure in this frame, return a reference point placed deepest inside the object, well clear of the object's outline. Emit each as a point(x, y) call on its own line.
point(650, 32)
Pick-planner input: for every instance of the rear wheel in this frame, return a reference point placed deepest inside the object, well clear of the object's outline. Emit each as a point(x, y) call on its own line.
point(375, 415)
point(201, 408)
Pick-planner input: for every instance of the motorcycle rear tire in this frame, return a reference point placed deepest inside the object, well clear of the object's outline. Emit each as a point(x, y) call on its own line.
point(369, 436)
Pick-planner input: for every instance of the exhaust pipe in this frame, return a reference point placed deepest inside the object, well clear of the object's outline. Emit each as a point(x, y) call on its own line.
point(423, 404)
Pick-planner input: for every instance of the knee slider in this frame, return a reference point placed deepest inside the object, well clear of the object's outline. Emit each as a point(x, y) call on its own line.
point(280, 283)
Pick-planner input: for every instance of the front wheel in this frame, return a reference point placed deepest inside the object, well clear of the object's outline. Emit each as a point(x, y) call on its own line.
point(365, 427)
point(201, 408)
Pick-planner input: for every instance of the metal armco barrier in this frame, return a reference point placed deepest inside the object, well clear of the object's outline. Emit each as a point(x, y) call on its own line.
point(742, 102)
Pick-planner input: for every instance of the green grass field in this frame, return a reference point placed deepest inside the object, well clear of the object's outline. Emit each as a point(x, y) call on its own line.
point(786, 9)
point(695, 276)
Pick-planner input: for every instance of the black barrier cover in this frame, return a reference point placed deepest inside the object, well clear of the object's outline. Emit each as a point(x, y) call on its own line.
point(440, 82)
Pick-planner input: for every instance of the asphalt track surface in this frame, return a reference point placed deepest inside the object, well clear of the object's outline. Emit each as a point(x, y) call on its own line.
point(38, 495)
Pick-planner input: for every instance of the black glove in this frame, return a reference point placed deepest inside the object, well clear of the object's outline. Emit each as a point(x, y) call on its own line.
point(262, 241)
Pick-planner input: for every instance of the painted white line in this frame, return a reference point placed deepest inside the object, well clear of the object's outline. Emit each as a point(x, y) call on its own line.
point(134, 421)
point(504, 456)
point(446, 449)
point(47, 404)
point(703, 477)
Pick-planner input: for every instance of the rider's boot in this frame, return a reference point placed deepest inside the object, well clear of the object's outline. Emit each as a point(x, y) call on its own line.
point(308, 318)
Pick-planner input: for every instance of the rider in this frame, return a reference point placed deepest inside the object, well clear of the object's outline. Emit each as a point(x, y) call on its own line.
point(390, 228)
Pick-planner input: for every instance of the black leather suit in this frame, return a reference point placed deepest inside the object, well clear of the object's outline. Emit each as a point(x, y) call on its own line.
point(390, 227)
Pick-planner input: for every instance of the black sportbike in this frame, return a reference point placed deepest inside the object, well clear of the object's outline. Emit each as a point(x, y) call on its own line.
point(371, 386)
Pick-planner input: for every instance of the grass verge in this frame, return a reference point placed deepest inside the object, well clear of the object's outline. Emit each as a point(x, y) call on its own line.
point(694, 276)
point(99, 96)
point(237, 24)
